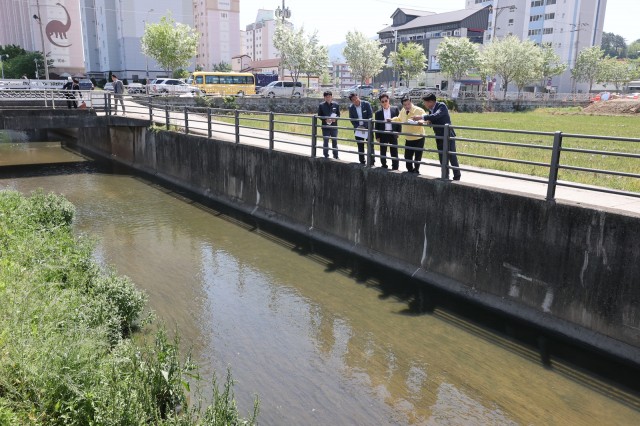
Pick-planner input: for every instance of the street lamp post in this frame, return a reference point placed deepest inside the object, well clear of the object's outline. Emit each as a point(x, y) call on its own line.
point(44, 52)
point(498, 11)
point(146, 20)
point(2, 63)
point(283, 13)
point(37, 72)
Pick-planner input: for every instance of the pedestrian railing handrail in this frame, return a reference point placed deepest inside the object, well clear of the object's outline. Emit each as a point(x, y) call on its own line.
point(265, 126)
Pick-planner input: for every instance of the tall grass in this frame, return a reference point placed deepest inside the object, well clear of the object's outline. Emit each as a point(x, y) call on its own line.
point(568, 120)
point(66, 357)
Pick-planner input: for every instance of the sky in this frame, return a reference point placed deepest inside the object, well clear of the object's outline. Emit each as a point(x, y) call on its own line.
point(333, 19)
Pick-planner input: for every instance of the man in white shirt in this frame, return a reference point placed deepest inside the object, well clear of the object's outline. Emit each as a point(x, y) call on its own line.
point(386, 132)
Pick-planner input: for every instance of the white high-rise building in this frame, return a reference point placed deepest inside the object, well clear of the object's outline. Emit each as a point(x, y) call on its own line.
point(218, 23)
point(258, 37)
point(569, 26)
point(112, 31)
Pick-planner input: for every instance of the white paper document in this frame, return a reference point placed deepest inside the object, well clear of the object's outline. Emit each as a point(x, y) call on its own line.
point(361, 133)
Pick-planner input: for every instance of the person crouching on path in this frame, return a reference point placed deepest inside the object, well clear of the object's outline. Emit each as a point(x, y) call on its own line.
point(386, 132)
point(71, 99)
point(359, 112)
point(439, 115)
point(414, 137)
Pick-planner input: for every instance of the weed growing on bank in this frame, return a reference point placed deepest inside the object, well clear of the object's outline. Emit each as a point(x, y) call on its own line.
point(65, 352)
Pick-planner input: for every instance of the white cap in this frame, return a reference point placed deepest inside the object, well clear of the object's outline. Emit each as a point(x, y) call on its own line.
point(69, 79)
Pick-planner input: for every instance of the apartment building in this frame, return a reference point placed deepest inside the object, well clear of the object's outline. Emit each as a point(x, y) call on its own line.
point(218, 23)
point(112, 31)
point(569, 26)
point(56, 29)
point(258, 36)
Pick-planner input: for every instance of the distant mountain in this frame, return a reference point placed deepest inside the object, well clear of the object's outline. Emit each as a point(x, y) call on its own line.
point(335, 52)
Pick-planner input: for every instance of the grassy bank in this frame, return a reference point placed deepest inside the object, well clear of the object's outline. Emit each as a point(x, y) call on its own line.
point(66, 353)
point(569, 120)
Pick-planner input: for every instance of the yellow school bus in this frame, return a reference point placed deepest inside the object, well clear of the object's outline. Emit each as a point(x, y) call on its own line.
point(224, 83)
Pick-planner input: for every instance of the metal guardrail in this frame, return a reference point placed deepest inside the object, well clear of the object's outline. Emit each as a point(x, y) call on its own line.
point(201, 121)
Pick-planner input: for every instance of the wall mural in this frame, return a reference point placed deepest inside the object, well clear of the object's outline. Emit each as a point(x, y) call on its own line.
point(58, 30)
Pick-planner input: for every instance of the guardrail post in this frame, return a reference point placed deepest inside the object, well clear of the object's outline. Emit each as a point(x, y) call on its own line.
point(554, 166)
point(370, 158)
point(314, 135)
point(150, 99)
point(107, 103)
point(444, 167)
point(271, 131)
point(186, 121)
point(237, 125)
point(45, 99)
point(166, 114)
point(209, 133)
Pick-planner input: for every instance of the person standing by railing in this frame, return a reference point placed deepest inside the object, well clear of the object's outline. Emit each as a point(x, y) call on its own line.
point(439, 115)
point(359, 112)
point(69, 94)
point(329, 110)
point(386, 133)
point(414, 137)
point(118, 92)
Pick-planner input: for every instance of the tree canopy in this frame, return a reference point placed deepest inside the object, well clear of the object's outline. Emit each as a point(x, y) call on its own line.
point(299, 53)
point(613, 45)
point(409, 60)
point(21, 62)
point(364, 56)
point(457, 56)
point(587, 66)
point(172, 45)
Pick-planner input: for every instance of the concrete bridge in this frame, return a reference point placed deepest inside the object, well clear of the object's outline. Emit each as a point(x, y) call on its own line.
point(571, 269)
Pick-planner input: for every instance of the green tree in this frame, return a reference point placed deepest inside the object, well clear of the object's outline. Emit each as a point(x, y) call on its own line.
point(21, 62)
point(365, 57)
point(297, 51)
point(552, 64)
point(171, 44)
point(409, 60)
point(587, 66)
point(616, 71)
point(222, 67)
point(457, 56)
point(614, 45)
point(514, 61)
point(633, 51)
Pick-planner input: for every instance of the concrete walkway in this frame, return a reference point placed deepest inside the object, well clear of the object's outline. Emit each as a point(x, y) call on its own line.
point(348, 154)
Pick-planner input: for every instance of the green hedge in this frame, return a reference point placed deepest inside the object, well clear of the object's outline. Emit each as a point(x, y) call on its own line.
point(65, 352)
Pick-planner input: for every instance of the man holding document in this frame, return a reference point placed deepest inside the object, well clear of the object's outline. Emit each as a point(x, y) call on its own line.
point(359, 112)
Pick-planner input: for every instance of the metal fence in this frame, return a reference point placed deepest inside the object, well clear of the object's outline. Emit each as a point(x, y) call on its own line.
point(306, 139)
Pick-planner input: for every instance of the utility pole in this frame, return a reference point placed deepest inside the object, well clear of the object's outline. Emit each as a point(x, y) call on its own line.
point(38, 18)
point(283, 13)
point(146, 21)
point(498, 11)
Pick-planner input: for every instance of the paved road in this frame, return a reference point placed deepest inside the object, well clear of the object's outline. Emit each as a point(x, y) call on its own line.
point(348, 154)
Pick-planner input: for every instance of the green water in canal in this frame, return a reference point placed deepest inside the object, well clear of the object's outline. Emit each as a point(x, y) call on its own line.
point(318, 346)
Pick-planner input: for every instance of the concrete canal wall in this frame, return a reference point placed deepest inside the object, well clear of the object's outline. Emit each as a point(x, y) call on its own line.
point(570, 269)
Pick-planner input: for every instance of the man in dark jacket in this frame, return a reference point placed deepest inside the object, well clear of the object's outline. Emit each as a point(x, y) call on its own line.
point(439, 115)
point(359, 112)
point(328, 110)
point(386, 132)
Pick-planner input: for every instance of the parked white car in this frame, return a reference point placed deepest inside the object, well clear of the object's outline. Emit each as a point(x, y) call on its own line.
point(282, 89)
point(171, 86)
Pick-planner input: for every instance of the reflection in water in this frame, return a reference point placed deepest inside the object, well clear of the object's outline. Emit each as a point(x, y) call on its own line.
point(315, 344)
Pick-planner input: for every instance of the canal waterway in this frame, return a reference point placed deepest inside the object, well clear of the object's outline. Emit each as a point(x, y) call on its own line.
point(318, 343)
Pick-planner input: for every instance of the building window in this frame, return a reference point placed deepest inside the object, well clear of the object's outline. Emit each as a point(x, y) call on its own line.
point(534, 18)
point(510, 21)
point(549, 16)
point(548, 31)
point(536, 3)
point(551, 2)
point(535, 32)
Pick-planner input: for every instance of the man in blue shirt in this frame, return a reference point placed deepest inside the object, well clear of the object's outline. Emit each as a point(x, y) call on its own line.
point(439, 115)
point(359, 112)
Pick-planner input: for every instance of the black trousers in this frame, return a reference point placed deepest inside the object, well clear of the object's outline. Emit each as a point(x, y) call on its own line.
point(389, 139)
point(71, 100)
point(414, 154)
point(330, 132)
point(453, 158)
point(361, 150)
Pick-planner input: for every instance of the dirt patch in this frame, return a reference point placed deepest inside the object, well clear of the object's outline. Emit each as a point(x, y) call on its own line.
point(614, 107)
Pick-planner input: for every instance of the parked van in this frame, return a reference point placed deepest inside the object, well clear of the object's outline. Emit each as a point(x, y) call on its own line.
point(282, 89)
